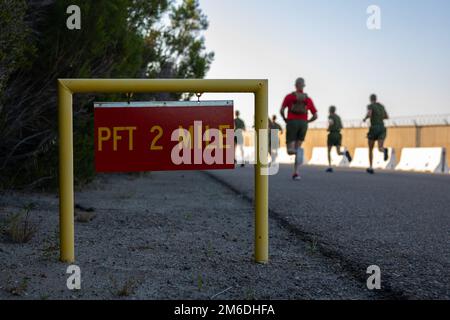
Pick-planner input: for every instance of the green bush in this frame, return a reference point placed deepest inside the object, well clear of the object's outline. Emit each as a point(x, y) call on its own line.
point(118, 39)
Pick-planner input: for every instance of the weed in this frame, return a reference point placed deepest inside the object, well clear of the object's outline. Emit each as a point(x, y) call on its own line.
point(250, 294)
point(20, 229)
point(199, 282)
point(125, 289)
point(210, 250)
point(51, 246)
point(313, 245)
point(188, 216)
point(18, 289)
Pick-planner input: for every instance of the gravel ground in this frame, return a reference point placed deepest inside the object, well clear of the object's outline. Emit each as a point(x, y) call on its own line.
point(164, 236)
point(398, 221)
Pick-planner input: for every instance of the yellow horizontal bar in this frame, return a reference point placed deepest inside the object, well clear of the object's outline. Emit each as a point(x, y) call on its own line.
point(162, 85)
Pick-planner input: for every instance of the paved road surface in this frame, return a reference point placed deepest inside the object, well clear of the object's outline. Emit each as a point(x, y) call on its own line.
point(398, 221)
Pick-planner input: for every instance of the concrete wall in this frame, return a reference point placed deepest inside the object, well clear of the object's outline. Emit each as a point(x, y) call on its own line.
point(397, 138)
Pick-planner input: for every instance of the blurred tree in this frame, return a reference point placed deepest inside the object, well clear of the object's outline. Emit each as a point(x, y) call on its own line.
point(177, 50)
point(13, 38)
point(118, 38)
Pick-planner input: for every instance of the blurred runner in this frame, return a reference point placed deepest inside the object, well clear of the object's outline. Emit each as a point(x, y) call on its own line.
point(335, 136)
point(239, 128)
point(377, 132)
point(299, 105)
point(273, 147)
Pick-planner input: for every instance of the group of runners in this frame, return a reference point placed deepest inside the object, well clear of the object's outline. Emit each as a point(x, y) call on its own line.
point(301, 111)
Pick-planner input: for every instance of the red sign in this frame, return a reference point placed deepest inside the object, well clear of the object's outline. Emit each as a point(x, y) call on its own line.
point(164, 136)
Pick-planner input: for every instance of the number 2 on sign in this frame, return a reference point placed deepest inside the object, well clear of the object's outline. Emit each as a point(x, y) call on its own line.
point(153, 146)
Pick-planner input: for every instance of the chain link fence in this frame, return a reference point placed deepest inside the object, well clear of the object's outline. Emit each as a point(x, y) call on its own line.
point(415, 121)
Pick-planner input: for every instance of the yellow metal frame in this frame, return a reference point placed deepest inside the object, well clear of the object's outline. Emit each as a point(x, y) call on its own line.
point(67, 87)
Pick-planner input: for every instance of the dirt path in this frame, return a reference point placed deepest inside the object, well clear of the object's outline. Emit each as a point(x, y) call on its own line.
point(162, 236)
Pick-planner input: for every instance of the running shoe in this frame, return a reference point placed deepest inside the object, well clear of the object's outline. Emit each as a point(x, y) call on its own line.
point(349, 157)
point(296, 177)
point(370, 170)
point(329, 170)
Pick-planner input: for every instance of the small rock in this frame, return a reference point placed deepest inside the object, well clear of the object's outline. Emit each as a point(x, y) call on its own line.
point(84, 217)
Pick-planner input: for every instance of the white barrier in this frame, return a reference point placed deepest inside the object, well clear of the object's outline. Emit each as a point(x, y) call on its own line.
point(249, 155)
point(284, 158)
point(320, 157)
point(361, 159)
point(432, 160)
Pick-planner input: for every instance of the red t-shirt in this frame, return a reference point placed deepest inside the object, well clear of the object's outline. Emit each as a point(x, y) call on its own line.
point(289, 101)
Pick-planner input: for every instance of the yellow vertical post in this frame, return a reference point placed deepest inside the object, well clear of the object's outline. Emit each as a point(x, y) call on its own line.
point(66, 202)
point(261, 180)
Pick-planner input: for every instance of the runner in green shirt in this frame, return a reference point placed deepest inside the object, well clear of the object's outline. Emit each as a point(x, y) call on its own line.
point(273, 148)
point(335, 136)
point(377, 132)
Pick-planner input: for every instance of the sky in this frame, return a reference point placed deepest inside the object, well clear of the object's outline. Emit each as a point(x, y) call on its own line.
point(406, 63)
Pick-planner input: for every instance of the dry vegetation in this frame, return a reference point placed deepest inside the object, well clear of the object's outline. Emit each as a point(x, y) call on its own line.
point(20, 228)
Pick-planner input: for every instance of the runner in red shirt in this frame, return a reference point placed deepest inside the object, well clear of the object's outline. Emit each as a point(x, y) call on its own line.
point(299, 106)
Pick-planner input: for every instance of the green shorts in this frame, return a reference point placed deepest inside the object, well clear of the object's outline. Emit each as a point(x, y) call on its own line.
point(334, 139)
point(238, 137)
point(377, 132)
point(296, 130)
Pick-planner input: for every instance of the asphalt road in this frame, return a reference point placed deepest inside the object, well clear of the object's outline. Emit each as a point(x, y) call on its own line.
point(397, 221)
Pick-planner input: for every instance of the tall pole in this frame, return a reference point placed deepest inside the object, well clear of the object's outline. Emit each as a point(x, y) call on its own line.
point(261, 180)
point(66, 204)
